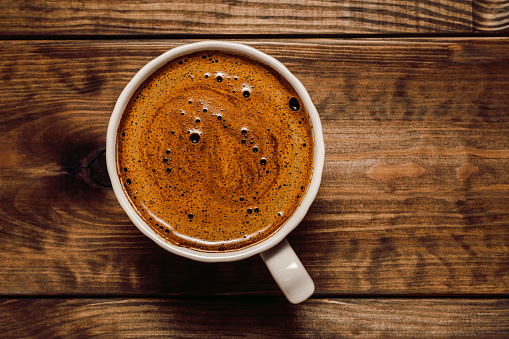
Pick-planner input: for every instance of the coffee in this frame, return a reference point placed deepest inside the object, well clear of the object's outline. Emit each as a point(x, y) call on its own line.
point(215, 151)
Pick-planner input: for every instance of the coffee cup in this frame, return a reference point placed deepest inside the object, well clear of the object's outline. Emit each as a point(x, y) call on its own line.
point(197, 121)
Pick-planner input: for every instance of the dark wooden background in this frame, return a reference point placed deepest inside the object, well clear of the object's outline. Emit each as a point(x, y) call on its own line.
point(408, 236)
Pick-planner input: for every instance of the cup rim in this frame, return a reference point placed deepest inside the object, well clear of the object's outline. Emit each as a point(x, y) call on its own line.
point(318, 161)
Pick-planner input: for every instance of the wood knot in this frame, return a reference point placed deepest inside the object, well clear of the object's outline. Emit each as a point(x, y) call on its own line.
point(465, 171)
point(97, 170)
point(387, 172)
point(92, 170)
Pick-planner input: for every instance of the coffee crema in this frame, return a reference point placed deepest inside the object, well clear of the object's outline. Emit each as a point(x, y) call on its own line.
point(215, 151)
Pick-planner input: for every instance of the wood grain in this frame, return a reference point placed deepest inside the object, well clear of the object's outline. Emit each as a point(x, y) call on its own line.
point(440, 104)
point(268, 17)
point(490, 15)
point(259, 318)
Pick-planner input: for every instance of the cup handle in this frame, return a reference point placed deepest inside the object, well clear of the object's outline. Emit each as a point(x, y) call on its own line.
point(289, 273)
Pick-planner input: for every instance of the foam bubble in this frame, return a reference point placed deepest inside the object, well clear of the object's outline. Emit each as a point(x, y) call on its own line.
point(195, 138)
point(294, 104)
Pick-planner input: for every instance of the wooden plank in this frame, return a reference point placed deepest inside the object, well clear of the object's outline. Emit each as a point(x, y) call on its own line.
point(260, 318)
point(414, 198)
point(269, 17)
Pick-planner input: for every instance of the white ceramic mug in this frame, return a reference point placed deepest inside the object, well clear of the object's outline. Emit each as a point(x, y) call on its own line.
point(283, 263)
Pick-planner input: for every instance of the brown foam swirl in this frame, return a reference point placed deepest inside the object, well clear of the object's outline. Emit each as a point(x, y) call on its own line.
point(211, 154)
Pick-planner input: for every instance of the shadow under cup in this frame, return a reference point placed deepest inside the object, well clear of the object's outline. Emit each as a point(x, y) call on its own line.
point(118, 182)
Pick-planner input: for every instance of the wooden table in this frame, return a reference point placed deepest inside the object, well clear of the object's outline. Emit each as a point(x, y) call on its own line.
point(408, 236)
